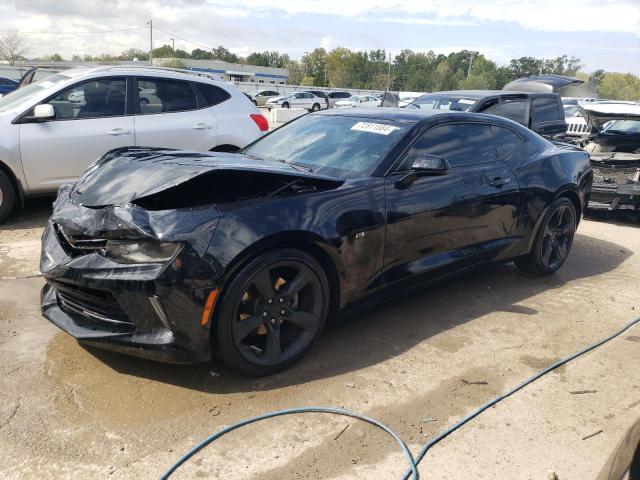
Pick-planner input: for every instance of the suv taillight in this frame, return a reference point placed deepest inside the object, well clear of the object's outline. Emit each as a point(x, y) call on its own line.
point(261, 121)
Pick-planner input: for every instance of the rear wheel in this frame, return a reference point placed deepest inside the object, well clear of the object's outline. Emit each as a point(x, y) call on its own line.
point(272, 312)
point(7, 196)
point(285, 105)
point(553, 241)
point(315, 107)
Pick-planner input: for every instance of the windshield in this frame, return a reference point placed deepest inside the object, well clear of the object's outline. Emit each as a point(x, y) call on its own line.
point(17, 97)
point(331, 144)
point(628, 127)
point(443, 102)
point(353, 98)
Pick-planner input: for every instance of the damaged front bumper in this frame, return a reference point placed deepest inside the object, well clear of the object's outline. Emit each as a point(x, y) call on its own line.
point(616, 181)
point(150, 310)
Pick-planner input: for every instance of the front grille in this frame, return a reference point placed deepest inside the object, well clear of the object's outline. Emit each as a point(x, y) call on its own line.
point(98, 304)
point(577, 128)
point(78, 244)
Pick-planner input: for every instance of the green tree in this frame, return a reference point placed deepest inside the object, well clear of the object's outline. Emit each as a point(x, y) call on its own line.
point(133, 53)
point(620, 86)
point(313, 65)
point(199, 54)
point(224, 55)
point(174, 63)
point(268, 59)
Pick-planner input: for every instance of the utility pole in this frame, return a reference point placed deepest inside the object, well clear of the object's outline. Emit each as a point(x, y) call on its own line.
point(173, 48)
point(389, 73)
point(470, 64)
point(150, 23)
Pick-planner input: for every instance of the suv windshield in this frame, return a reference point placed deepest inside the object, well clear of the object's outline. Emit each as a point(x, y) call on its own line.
point(628, 127)
point(331, 144)
point(442, 102)
point(17, 97)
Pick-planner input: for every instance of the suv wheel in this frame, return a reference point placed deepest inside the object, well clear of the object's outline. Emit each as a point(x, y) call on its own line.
point(315, 107)
point(272, 312)
point(7, 196)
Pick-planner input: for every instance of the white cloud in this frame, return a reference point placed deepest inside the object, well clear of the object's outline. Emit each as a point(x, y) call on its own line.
point(325, 42)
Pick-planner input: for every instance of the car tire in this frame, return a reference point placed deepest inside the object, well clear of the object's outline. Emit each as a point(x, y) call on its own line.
point(144, 101)
point(315, 107)
point(285, 105)
point(553, 240)
point(255, 331)
point(7, 196)
point(255, 103)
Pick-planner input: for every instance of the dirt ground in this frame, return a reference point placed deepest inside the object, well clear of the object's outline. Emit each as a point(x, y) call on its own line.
point(417, 364)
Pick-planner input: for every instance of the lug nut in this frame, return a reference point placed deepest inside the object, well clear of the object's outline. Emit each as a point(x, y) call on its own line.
point(281, 300)
point(264, 314)
point(270, 300)
point(282, 312)
point(273, 321)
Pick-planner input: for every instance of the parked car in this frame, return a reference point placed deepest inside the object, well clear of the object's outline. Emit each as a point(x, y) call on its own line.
point(358, 101)
point(47, 140)
point(306, 100)
point(530, 101)
point(614, 145)
point(260, 97)
point(7, 85)
point(323, 95)
point(336, 96)
point(247, 255)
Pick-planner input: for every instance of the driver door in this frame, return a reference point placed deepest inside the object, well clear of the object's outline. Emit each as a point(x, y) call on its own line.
point(442, 223)
point(91, 119)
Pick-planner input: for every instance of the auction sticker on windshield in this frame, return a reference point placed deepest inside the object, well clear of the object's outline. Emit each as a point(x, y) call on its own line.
point(379, 128)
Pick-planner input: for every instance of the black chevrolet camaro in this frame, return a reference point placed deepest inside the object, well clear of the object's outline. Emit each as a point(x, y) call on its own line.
point(180, 256)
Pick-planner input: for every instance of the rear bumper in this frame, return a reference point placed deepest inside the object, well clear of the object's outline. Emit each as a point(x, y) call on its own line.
point(615, 197)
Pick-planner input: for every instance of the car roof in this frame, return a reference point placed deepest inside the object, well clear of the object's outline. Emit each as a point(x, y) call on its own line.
point(394, 114)
point(142, 70)
point(479, 94)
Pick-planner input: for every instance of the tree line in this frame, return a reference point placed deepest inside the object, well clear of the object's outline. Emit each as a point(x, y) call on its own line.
point(376, 69)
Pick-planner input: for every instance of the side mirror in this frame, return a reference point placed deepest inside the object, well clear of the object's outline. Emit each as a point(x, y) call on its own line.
point(425, 165)
point(42, 113)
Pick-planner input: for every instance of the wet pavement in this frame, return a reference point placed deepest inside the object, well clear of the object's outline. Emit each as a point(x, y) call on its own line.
point(71, 412)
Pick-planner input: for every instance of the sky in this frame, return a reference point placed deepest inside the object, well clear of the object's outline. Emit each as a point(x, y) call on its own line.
point(603, 33)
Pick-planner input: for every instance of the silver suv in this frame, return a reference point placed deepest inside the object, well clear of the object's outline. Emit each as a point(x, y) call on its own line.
point(51, 130)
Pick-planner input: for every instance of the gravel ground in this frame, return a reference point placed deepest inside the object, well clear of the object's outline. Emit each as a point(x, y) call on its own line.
point(71, 412)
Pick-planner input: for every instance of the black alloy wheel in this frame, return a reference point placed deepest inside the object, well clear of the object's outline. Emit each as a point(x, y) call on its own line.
point(272, 312)
point(553, 241)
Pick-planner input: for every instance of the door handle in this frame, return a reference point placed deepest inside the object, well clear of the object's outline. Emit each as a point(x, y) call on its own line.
point(499, 181)
point(118, 131)
point(202, 126)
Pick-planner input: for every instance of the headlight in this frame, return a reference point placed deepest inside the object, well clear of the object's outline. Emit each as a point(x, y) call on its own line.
point(142, 251)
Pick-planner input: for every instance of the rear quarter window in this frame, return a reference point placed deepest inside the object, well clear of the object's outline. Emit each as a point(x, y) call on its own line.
point(546, 109)
point(212, 94)
point(508, 145)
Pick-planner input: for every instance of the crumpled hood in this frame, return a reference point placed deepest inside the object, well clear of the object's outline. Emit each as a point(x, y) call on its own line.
point(131, 173)
point(597, 114)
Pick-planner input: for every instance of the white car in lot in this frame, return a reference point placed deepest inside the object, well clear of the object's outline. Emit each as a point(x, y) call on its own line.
point(306, 100)
point(358, 101)
point(51, 130)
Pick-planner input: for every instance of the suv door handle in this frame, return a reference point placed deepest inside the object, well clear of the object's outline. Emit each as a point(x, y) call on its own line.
point(118, 131)
point(499, 181)
point(202, 126)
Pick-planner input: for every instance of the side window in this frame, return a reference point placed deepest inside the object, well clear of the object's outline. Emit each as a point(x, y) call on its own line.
point(342, 95)
point(508, 145)
point(272, 94)
point(545, 109)
point(462, 144)
point(97, 98)
point(515, 110)
point(3, 82)
point(163, 96)
point(214, 95)
point(308, 95)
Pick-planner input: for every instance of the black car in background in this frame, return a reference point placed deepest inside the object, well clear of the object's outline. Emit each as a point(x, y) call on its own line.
point(533, 102)
point(178, 256)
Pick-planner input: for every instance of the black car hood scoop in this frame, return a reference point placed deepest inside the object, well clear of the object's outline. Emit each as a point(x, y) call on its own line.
point(126, 175)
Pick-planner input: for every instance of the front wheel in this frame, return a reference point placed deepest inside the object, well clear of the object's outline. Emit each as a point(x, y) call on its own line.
point(553, 241)
point(272, 312)
point(7, 196)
